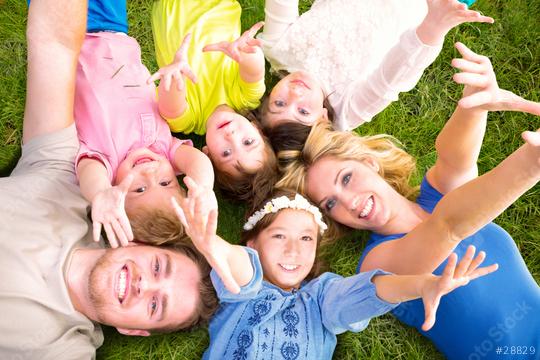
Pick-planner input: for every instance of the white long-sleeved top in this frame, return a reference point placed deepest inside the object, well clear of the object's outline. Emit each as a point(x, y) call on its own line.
point(363, 52)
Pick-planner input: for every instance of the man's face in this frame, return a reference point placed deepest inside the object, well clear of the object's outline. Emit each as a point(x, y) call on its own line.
point(144, 288)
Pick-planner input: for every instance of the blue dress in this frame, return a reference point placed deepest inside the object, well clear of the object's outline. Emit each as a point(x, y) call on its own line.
point(499, 310)
point(266, 322)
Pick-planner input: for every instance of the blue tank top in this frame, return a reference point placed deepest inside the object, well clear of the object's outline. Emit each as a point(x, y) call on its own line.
point(495, 317)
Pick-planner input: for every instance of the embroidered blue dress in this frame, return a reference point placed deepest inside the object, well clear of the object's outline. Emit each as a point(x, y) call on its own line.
point(265, 322)
point(502, 309)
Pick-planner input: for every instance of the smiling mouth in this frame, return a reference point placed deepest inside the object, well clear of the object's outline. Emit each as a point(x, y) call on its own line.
point(289, 267)
point(368, 208)
point(142, 160)
point(121, 284)
point(224, 124)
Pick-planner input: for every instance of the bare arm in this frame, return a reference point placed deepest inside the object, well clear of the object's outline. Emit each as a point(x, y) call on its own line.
point(399, 288)
point(231, 262)
point(460, 213)
point(172, 89)
point(192, 162)
point(55, 33)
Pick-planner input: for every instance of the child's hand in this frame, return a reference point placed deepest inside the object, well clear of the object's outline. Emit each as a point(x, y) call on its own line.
point(108, 211)
point(442, 16)
point(452, 277)
point(246, 43)
point(200, 225)
point(176, 70)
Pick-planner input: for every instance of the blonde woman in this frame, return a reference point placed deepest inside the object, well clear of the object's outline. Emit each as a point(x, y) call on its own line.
point(363, 183)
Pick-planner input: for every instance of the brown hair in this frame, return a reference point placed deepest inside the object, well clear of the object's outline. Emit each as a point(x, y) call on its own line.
point(250, 186)
point(156, 227)
point(268, 219)
point(396, 166)
point(208, 302)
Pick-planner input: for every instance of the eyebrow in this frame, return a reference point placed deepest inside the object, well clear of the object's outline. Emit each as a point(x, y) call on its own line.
point(320, 204)
point(165, 298)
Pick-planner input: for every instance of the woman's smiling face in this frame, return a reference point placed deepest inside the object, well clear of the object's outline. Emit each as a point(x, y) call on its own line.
point(351, 192)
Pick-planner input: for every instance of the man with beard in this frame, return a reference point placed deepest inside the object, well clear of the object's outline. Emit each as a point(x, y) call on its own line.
point(56, 283)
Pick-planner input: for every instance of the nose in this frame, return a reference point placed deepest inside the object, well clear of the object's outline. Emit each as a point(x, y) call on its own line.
point(352, 203)
point(291, 247)
point(143, 285)
point(296, 91)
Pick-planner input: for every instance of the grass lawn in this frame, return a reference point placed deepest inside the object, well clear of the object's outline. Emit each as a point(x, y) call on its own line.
point(512, 43)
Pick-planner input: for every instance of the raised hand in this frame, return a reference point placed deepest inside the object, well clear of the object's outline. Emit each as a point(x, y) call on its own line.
point(453, 276)
point(442, 16)
point(483, 91)
point(176, 70)
point(200, 225)
point(108, 211)
point(246, 43)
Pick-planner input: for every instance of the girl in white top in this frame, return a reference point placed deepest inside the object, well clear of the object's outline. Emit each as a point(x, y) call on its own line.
point(356, 54)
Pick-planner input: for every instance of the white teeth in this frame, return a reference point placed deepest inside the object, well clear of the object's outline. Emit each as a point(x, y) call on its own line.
point(289, 267)
point(122, 280)
point(367, 209)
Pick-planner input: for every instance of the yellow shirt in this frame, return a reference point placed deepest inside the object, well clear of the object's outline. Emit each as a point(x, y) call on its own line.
point(219, 82)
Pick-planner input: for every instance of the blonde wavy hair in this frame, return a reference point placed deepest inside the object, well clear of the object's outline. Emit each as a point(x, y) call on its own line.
point(396, 166)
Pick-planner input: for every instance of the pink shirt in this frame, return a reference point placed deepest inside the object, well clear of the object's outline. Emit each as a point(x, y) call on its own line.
point(115, 110)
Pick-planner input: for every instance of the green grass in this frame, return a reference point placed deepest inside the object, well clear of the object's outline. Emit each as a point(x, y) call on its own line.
point(511, 43)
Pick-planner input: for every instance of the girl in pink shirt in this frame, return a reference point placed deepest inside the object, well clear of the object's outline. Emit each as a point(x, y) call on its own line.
point(128, 160)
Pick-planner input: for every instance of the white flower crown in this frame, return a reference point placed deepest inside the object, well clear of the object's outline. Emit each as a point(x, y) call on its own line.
point(283, 202)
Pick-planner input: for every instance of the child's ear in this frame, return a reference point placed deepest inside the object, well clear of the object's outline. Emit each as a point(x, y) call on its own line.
point(250, 243)
point(205, 150)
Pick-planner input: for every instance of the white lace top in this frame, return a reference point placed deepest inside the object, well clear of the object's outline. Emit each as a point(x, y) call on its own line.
point(364, 52)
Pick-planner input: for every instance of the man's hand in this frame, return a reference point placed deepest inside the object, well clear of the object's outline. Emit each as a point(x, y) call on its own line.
point(175, 71)
point(453, 276)
point(108, 211)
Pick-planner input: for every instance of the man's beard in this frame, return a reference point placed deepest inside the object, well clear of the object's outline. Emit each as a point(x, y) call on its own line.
point(97, 284)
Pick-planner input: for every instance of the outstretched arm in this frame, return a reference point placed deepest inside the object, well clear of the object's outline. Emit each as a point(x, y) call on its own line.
point(54, 34)
point(461, 213)
point(399, 288)
point(404, 64)
point(231, 262)
point(172, 90)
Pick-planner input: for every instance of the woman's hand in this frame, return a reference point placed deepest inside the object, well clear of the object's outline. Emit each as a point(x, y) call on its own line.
point(442, 16)
point(245, 44)
point(482, 90)
point(453, 276)
point(200, 224)
point(108, 211)
point(175, 71)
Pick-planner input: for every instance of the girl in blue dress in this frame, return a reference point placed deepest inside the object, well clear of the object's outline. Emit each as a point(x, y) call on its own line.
point(272, 306)
point(363, 183)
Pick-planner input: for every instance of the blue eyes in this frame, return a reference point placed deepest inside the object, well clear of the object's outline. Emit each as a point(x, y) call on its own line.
point(279, 103)
point(330, 203)
point(303, 112)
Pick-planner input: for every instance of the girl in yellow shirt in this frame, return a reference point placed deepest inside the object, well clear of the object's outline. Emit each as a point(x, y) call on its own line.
point(226, 70)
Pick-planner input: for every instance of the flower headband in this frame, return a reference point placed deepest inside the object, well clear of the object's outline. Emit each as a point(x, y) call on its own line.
point(283, 202)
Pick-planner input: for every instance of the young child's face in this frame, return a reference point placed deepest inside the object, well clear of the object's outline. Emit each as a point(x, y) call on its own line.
point(154, 180)
point(287, 248)
point(233, 142)
point(296, 97)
